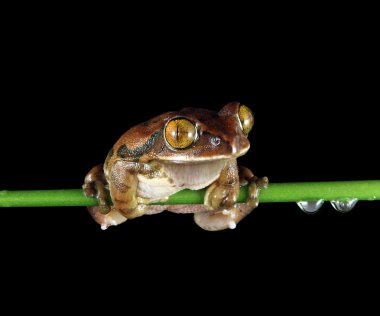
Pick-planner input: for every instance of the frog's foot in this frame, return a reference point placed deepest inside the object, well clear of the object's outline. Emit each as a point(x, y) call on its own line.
point(255, 184)
point(222, 219)
point(95, 186)
point(254, 187)
point(117, 216)
point(112, 218)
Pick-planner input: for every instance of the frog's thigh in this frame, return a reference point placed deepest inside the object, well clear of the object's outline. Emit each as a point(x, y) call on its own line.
point(222, 219)
point(113, 218)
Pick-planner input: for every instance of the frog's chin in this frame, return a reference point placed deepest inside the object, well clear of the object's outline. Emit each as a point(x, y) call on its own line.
point(177, 177)
point(195, 175)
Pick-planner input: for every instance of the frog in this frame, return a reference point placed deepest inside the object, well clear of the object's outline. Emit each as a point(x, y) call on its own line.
point(193, 148)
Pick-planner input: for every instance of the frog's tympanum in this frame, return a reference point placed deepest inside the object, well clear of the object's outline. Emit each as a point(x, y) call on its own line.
point(189, 149)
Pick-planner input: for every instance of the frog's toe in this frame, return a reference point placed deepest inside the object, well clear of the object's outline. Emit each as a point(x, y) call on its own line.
point(89, 190)
point(262, 182)
point(254, 187)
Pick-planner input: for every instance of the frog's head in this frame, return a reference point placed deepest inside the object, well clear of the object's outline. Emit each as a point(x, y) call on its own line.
point(191, 135)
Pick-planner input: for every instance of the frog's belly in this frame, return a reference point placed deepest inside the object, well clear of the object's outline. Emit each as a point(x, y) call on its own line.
point(178, 176)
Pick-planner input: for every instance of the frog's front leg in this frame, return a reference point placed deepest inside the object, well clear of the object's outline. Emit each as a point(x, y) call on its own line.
point(221, 198)
point(95, 185)
point(255, 184)
point(121, 180)
point(123, 188)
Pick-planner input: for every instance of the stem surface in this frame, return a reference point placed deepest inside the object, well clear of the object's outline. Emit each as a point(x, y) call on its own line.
point(368, 190)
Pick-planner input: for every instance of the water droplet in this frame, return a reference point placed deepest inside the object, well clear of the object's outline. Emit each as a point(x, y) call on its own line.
point(344, 205)
point(310, 206)
point(232, 225)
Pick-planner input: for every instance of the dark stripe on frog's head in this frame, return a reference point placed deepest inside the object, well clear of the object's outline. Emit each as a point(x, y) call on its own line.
point(125, 152)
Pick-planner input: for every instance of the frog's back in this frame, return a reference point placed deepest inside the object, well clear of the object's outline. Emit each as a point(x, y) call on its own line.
point(137, 140)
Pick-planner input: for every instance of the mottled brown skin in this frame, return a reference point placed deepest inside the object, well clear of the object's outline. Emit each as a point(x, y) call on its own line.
point(139, 170)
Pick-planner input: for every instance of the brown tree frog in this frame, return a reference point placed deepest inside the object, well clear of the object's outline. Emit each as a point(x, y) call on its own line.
point(193, 149)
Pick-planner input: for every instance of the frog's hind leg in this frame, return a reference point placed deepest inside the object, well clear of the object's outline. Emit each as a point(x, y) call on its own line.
point(222, 219)
point(112, 218)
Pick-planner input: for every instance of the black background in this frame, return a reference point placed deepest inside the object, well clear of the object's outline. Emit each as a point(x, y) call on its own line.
point(69, 92)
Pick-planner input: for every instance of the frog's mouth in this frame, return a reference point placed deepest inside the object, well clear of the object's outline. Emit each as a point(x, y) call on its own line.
point(202, 157)
point(194, 175)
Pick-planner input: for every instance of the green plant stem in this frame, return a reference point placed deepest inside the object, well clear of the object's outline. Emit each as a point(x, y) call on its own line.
point(277, 192)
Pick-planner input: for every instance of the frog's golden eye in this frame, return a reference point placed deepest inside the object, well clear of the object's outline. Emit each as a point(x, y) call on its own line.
point(246, 119)
point(180, 133)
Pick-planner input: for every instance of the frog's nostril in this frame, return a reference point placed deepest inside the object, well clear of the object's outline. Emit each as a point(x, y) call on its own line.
point(215, 141)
